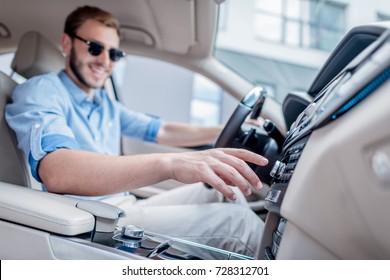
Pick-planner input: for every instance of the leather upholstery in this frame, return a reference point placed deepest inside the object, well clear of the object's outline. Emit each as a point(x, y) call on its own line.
point(12, 163)
point(36, 55)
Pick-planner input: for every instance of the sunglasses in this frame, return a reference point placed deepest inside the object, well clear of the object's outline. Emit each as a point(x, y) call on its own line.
point(96, 49)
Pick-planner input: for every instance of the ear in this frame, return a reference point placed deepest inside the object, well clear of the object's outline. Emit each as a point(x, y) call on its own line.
point(66, 44)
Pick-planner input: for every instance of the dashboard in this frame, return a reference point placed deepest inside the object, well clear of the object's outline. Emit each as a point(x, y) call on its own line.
point(360, 78)
point(330, 191)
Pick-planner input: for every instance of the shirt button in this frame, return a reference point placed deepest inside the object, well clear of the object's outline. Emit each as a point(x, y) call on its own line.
point(37, 125)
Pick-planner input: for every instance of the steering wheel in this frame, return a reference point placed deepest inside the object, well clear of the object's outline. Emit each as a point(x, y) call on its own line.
point(252, 102)
point(256, 140)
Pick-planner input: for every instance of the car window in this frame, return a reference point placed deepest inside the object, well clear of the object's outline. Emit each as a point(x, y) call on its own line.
point(171, 92)
point(281, 44)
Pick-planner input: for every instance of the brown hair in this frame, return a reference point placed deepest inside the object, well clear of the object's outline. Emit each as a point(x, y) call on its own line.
point(76, 18)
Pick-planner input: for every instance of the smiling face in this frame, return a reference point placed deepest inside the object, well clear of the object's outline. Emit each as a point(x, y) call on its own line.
point(87, 71)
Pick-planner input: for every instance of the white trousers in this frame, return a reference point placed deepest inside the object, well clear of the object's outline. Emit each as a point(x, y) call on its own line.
point(195, 213)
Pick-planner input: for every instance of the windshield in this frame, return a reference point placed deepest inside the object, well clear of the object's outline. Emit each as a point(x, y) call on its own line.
point(281, 44)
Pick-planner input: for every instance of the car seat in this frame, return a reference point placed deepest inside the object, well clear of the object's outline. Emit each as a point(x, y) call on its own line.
point(36, 55)
point(13, 167)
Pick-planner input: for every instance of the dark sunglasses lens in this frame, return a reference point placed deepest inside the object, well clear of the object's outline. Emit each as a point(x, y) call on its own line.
point(95, 48)
point(115, 55)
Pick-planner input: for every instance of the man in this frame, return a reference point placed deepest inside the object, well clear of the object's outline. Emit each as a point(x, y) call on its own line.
point(70, 132)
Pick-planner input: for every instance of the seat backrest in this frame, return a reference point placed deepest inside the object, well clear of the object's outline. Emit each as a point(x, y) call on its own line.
point(13, 167)
point(36, 55)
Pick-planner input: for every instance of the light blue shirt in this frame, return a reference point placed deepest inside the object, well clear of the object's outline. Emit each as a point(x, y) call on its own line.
point(50, 112)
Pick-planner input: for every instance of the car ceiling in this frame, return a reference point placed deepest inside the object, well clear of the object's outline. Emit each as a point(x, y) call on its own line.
point(177, 27)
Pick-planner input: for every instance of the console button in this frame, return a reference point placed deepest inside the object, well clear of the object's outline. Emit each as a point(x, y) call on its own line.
point(277, 169)
point(273, 196)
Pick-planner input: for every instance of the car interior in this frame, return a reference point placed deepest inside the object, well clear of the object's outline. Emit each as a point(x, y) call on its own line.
point(327, 183)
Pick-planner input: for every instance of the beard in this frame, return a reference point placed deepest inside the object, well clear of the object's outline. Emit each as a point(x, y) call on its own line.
point(76, 68)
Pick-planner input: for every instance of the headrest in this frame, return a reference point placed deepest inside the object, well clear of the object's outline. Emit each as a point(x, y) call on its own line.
point(36, 55)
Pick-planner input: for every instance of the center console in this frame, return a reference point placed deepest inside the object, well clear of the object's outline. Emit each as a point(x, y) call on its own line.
point(158, 246)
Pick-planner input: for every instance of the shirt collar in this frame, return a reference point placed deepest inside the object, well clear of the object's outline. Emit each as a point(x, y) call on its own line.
point(77, 93)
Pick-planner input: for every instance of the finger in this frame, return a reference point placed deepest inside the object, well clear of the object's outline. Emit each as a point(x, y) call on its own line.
point(244, 171)
point(246, 156)
point(254, 122)
point(232, 177)
point(217, 183)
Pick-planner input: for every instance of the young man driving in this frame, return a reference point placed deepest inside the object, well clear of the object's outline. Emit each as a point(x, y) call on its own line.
point(70, 131)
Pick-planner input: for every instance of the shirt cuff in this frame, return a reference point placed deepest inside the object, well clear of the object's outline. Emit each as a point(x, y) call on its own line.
point(152, 130)
point(49, 144)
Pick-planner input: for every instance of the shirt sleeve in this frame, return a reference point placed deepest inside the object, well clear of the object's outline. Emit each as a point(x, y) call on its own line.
point(139, 125)
point(37, 114)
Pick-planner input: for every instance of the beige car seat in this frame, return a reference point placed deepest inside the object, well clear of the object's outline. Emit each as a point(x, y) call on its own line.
point(35, 55)
point(13, 167)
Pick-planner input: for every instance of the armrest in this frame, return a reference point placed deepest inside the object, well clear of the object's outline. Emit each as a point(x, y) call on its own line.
point(106, 215)
point(42, 210)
